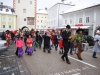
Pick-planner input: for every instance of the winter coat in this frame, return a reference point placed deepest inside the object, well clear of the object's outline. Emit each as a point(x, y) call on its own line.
point(19, 43)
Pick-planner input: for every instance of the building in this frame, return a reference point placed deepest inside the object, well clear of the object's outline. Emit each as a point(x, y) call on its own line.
point(7, 18)
point(26, 13)
point(86, 17)
point(54, 17)
point(41, 19)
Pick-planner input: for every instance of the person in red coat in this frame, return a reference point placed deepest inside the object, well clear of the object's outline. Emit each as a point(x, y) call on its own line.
point(61, 46)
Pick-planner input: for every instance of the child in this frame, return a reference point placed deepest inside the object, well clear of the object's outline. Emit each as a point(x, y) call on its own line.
point(61, 46)
point(19, 45)
point(29, 43)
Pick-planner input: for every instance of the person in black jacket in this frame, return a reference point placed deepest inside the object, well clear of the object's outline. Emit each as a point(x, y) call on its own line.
point(46, 38)
point(66, 37)
point(56, 41)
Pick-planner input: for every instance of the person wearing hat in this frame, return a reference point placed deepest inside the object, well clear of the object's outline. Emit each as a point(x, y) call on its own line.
point(79, 39)
point(96, 47)
point(66, 43)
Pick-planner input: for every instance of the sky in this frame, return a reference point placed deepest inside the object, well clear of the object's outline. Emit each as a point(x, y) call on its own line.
point(41, 4)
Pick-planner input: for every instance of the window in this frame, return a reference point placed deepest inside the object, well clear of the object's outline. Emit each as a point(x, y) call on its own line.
point(3, 26)
point(24, 19)
point(24, 10)
point(37, 20)
point(42, 17)
point(80, 20)
point(9, 26)
point(45, 21)
point(18, 1)
point(37, 25)
point(87, 19)
point(9, 19)
point(3, 19)
point(45, 17)
point(38, 16)
point(65, 21)
point(70, 21)
point(30, 20)
point(41, 21)
point(30, 2)
point(41, 26)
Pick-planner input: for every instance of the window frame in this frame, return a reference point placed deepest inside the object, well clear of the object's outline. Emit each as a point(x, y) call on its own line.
point(18, 1)
point(9, 26)
point(3, 26)
point(24, 10)
point(65, 21)
point(87, 19)
point(80, 20)
point(31, 2)
point(3, 19)
point(9, 20)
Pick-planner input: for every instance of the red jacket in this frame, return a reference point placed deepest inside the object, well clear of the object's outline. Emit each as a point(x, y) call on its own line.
point(60, 43)
point(19, 43)
point(29, 41)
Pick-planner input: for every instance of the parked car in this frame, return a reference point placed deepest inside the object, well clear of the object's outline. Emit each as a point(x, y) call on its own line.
point(3, 45)
point(89, 39)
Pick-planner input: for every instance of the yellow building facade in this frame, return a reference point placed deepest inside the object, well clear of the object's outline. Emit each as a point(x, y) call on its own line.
point(7, 21)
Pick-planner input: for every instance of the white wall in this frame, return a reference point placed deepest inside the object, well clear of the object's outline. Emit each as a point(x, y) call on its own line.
point(93, 14)
point(20, 15)
point(55, 20)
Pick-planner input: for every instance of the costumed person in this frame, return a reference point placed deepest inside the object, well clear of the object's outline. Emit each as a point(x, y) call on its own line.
point(19, 45)
point(61, 46)
point(79, 39)
point(40, 40)
point(46, 38)
point(56, 41)
point(66, 43)
point(29, 43)
point(96, 47)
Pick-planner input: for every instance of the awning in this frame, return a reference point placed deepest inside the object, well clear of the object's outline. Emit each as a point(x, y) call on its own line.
point(83, 27)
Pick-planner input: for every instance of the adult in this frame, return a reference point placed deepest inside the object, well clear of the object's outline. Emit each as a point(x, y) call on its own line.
point(66, 43)
point(46, 38)
point(96, 47)
point(79, 39)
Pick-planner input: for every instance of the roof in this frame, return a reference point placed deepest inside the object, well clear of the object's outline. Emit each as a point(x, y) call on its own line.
point(62, 4)
point(9, 12)
point(83, 4)
point(41, 11)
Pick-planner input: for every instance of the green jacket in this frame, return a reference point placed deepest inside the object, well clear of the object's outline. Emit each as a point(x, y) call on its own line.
point(79, 39)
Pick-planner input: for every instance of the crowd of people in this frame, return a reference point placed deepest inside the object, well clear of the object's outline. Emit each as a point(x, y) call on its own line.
point(50, 39)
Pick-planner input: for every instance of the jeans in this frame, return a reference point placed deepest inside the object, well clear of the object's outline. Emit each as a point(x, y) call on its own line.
point(34, 45)
point(94, 54)
point(71, 49)
point(56, 46)
point(40, 43)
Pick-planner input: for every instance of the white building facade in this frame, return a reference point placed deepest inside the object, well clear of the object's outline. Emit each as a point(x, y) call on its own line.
point(87, 18)
point(41, 19)
point(54, 17)
point(26, 13)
